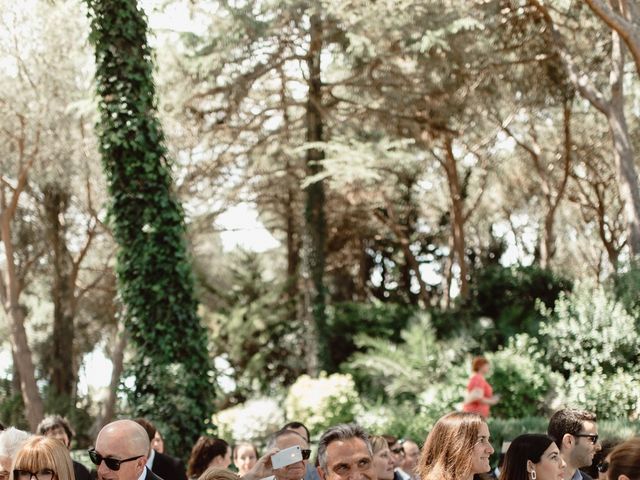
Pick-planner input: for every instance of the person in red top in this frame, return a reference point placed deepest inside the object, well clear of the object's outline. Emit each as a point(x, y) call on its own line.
point(480, 395)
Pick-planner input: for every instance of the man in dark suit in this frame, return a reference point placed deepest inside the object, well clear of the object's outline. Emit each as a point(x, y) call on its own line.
point(58, 427)
point(121, 452)
point(165, 466)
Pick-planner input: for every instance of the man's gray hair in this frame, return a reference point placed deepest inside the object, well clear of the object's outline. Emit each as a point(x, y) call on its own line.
point(11, 440)
point(340, 432)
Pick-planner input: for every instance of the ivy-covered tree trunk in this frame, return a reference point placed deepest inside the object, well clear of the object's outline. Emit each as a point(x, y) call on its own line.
point(315, 220)
point(171, 365)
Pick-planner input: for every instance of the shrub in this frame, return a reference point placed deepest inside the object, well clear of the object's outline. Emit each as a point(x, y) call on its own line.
point(403, 371)
point(254, 420)
point(322, 402)
point(404, 420)
point(589, 332)
point(523, 380)
point(610, 396)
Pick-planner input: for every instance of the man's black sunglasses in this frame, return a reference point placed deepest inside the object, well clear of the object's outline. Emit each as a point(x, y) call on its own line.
point(603, 467)
point(111, 463)
point(306, 454)
point(591, 436)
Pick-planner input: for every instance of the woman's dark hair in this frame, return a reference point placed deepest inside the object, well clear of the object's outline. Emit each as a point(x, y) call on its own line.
point(529, 446)
point(625, 460)
point(205, 450)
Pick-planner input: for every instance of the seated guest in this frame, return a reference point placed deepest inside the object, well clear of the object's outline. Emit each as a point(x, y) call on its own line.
point(245, 456)
point(158, 442)
point(382, 460)
point(533, 457)
point(457, 448)
point(576, 434)
point(42, 458)
point(164, 466)
point(121, 452)
point(397, 455)
point(344, 453)
point(58, 427)
point(623, 463)
point(411, 455)
point(599, 459)
point(284, 439)
point(303, 431)
point(11, 440)
point(208, 452)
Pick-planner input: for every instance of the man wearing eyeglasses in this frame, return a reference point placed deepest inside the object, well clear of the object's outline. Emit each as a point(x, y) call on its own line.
point(121, 452)
point(576, 434)
point(287, 438)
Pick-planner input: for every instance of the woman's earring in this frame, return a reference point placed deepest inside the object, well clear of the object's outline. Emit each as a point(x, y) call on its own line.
point(533, 475)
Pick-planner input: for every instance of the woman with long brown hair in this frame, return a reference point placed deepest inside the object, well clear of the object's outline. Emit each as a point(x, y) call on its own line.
point(457, 448)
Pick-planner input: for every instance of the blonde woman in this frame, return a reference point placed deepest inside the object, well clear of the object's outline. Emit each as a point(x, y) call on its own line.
point(42, 458)
point(457, 448)
point(382, 460)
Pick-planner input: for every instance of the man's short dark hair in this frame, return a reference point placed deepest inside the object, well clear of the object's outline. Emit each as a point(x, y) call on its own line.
point(568, 420)
point(54, 422)
point(340, 432)
point(148, 426)
point(296, 425)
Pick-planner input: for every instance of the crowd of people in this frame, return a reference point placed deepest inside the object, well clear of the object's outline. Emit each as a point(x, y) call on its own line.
point(457, 447)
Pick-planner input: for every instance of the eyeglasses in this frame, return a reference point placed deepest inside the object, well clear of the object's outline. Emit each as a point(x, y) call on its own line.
point(591, 436)
point(603, 467)
point(111, 463)
point(305, 454)
point(44, 474)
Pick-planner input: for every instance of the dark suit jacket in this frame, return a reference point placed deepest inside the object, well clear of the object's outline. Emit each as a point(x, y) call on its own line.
point(80, 471)
point(168, 468)
point(150, 475)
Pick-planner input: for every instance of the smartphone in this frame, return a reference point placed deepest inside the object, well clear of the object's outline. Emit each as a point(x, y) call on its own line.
point(286, 457)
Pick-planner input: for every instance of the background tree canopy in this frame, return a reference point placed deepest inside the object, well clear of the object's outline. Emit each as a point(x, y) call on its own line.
point(414, 183)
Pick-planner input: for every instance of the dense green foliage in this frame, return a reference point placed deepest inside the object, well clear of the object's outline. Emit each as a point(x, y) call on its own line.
point(172, 380)
point(523, 379)
point(431, 178)
point(507, 300)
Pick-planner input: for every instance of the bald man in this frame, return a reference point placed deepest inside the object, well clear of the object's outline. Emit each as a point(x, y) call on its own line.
point(121, 452)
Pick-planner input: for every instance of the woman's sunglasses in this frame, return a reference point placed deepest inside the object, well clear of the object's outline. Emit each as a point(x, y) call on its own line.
point(603, 467)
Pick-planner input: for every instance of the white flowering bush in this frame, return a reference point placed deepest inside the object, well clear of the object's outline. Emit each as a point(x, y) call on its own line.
point(322, 402)
point(610, 396)
point(253, 420)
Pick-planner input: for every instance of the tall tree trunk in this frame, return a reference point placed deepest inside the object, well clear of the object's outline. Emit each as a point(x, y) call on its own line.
point(457, 214)
point(18, 335)
point(553, 198)
point(623, 150)
point(315, 221)
point(10, 290)
point(61, 357)
point(614, 111)
point(108, 412)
